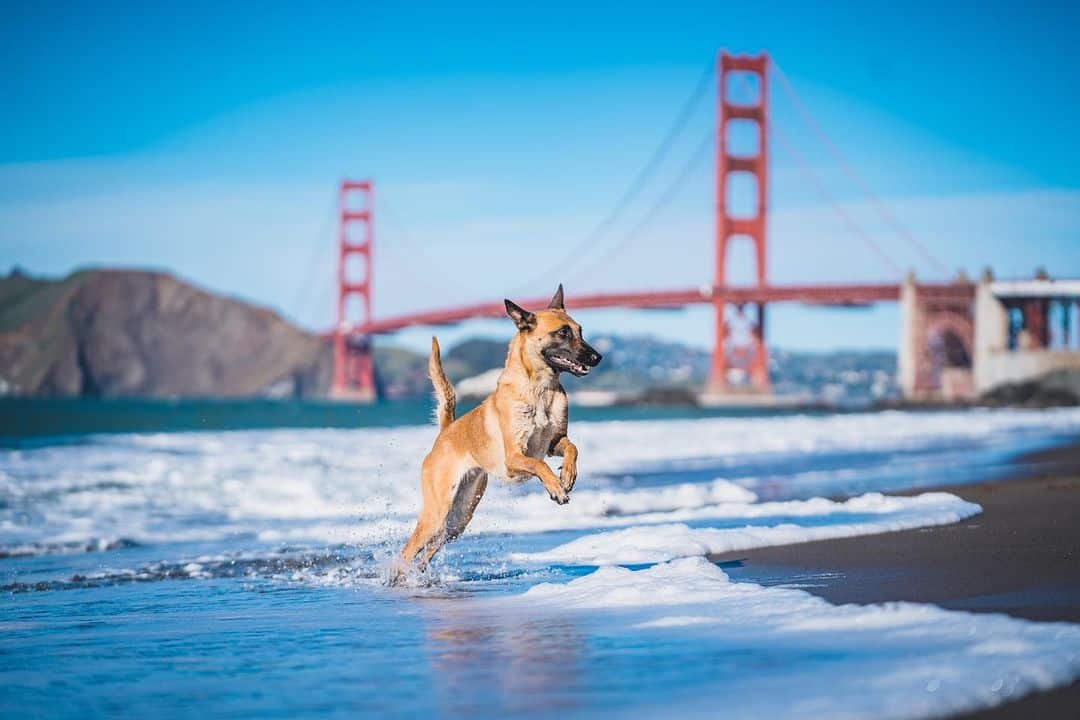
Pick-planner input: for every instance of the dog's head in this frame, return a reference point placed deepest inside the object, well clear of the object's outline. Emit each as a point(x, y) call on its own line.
point(551, 337)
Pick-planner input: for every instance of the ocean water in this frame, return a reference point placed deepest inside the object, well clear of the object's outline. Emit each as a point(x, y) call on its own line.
point(243, 573)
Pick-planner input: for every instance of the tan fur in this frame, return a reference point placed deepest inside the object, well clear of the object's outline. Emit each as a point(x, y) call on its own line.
point(507, 436)
point(445, 398)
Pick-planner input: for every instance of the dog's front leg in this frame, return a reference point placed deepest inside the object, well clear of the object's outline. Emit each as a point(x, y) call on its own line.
point(520, 464)
point(568, 452)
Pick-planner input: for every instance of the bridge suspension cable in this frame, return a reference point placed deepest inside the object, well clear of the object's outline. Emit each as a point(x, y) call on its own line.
point(414, 252)
point(641, 179)
point(808, 173)
point(848, 170)
point(693, 162)
point(320, 252)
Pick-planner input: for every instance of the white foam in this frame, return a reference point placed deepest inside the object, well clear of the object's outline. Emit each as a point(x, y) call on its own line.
point(363, 485)
point(524, 510)
point(823, 519)
point(623, 445)
point(898, 660)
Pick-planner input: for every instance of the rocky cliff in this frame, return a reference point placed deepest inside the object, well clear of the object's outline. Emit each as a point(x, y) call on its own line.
point(124, 332)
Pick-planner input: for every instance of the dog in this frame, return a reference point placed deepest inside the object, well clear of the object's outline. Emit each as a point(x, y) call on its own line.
point(509, 434)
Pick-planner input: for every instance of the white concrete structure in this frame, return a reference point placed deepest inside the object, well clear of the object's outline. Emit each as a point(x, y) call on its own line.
point(1043, 288)
point(994, 362)
point(956, 342)
point(906, 356)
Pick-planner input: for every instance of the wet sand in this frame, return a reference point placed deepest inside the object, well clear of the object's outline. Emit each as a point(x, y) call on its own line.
point(1020, 556)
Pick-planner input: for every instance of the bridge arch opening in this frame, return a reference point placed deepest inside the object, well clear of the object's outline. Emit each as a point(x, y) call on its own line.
point(740, 261)
point(743, 87)
point(357, 233)
point(352, 200)
point(950, 336)
point(355, 268)
point(742, 195)
point(949, 351)
point(743, 138)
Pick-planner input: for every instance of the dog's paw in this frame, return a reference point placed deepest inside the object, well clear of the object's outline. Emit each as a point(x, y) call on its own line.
point(561, 497)
point(567, 477)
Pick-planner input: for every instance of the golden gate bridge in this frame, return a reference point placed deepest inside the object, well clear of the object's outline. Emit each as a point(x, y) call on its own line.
point(945, 305)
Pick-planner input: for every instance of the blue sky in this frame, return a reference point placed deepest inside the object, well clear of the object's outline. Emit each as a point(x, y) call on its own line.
point(208, 141)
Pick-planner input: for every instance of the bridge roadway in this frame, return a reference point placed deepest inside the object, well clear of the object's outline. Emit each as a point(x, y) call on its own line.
point(836, 295)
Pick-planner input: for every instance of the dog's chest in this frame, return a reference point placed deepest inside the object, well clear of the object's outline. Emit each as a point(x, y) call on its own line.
point(537, 420)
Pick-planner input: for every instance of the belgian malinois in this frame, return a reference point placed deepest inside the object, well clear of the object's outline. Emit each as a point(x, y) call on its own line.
point(509, 433)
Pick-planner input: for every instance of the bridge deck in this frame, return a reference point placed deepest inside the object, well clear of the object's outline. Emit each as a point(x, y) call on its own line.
point(837, 295)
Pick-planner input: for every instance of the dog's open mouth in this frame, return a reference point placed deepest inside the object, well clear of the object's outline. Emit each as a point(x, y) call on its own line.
point(558, 361)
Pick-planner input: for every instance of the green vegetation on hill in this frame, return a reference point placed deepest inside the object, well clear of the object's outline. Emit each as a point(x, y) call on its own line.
point(639, 364)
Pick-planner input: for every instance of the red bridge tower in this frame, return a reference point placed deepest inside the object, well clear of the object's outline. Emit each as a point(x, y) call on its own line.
point(354, 365)
point(730, 352)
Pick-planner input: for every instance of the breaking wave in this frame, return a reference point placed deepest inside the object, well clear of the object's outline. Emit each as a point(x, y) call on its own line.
point(361, 486)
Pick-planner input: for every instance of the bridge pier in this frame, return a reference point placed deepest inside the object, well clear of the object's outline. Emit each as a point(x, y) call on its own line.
point(750, 358)
point(936, 355)
point(353, 377)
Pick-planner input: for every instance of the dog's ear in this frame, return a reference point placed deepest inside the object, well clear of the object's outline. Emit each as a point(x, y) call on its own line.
point(524, 319)
point(556, 300)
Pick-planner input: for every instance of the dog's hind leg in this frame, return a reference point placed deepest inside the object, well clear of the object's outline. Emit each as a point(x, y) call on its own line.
point(436, 487)
point(467, 493)
point(450, 497)
point(421, 536)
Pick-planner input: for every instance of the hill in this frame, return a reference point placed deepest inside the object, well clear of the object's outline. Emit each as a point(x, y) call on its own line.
point(134, 333)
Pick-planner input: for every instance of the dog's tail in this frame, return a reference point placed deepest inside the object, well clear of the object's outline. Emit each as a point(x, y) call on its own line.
point(445, 399)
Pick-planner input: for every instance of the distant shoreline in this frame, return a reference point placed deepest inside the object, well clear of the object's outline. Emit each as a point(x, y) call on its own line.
point(24, 419)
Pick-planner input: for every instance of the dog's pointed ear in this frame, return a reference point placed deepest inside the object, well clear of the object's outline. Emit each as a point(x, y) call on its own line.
point(524, 319)
point(556, 300)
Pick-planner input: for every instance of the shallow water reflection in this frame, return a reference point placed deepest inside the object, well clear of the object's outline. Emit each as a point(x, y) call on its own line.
point(480, 664)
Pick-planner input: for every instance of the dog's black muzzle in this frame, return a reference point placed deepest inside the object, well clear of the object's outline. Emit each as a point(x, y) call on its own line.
point(577, 362)
point(589, 356)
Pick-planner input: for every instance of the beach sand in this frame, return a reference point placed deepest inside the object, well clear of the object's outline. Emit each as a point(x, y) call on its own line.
point(1021, 557)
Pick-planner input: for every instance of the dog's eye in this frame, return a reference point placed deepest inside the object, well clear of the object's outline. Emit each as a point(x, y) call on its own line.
point(564, 333)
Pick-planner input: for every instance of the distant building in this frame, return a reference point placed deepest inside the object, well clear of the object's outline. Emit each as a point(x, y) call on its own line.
point(1025, 329)
point(960, 340)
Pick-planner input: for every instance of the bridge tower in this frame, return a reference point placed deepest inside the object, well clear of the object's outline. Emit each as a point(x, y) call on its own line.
point(729, 352)
point(354, 363)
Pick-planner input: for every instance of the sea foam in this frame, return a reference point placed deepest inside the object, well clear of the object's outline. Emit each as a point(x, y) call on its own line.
point(896, 660)
point(819, 519)
point(362, 486)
